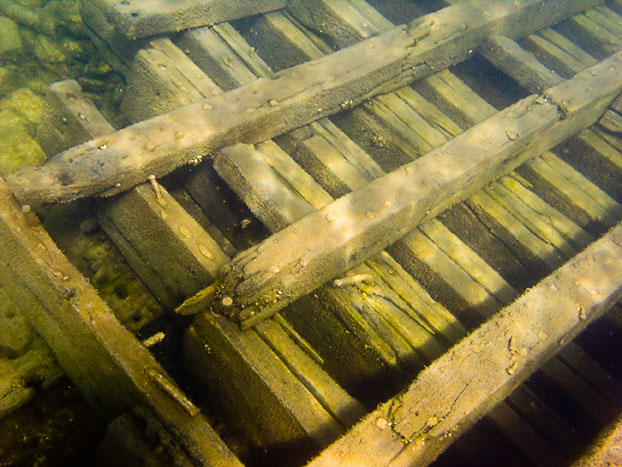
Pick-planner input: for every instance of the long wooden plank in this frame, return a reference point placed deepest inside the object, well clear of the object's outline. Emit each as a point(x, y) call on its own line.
point(143, 18)
point(114, 371)
point(450, 395)
point(265, 278)
point(268, 107)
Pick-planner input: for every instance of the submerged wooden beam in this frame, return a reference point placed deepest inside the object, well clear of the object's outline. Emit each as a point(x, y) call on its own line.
point(269, 107)
point(328, 242)
point(143, 18)
point(518, 63)
point(459, 388)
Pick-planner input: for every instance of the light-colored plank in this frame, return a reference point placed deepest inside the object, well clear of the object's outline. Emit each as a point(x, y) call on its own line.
point(521, 65)
point(558, 52)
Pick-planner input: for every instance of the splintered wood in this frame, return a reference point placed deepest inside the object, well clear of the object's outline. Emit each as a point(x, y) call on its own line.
point(269, 107)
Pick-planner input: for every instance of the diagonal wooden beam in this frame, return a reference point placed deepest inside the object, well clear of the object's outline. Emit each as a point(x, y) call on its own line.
point(269, 107)
point(328, 242)
point(459, 388)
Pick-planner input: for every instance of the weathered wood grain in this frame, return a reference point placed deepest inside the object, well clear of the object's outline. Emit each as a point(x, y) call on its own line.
point(451, 395)
point(611, 121)
point(70, 119)
point(326, 243)
point(269, 107)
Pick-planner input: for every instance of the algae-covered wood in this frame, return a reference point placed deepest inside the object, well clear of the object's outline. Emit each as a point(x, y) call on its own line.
point(460, 387)
point(301, 257)
point(269, 107)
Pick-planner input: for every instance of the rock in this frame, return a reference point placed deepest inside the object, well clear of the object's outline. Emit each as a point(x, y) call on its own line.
point(39, 86)
point(28, 39)
point(74, 48)
point(10, 40)
point(17, 147)
point(9, 117)
point(5, 79)
point(31, 3)
point(47, 50)
point(26, 103)
point(97, 68)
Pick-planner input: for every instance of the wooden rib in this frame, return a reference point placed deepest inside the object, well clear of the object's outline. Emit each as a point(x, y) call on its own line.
point(448, 397)
point(109, 365)
point(361, 223)
point(558, 52)
point(266, 108)
point(70, 119)
point(590, 34)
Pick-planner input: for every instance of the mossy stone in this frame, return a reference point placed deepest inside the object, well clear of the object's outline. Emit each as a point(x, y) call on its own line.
point(47, 50)
point(5, 79)
point(10, 40)
point(25, 102)
point(32, 3)
point(17, 148)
